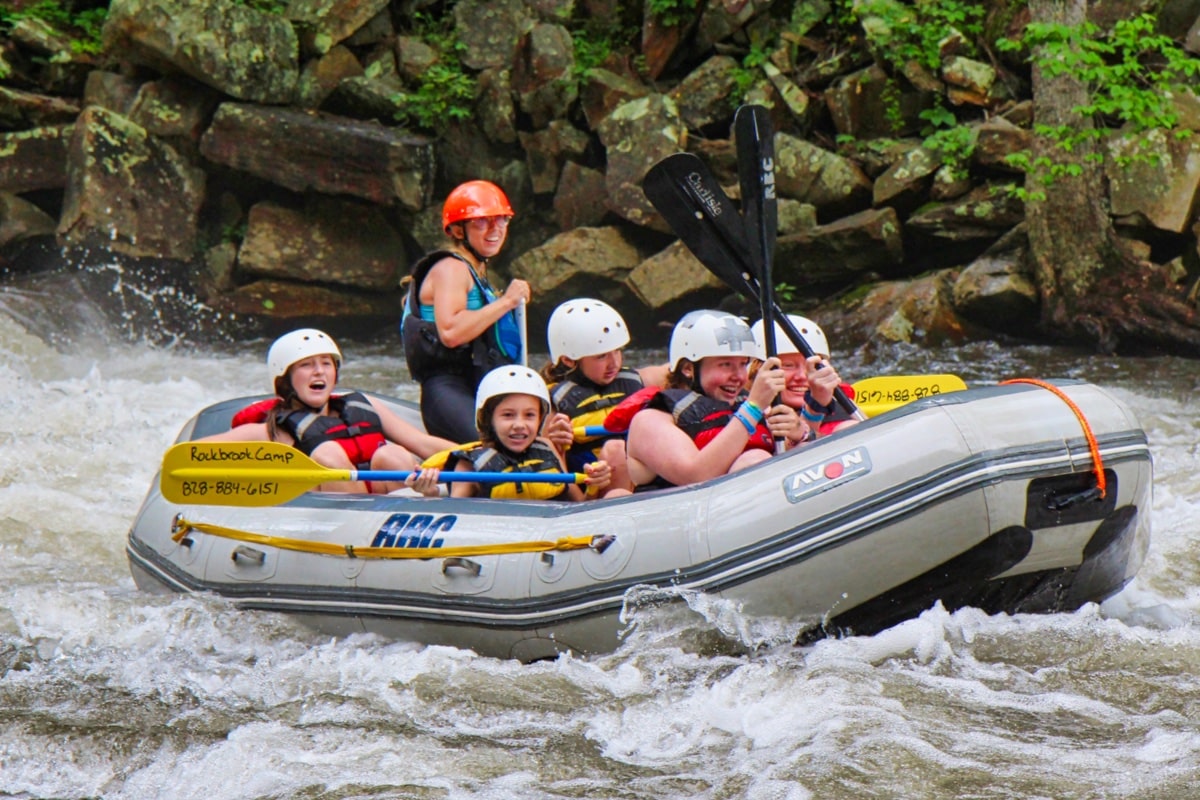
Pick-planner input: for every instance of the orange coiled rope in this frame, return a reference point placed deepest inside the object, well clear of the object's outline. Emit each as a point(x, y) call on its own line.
point(1093, 447)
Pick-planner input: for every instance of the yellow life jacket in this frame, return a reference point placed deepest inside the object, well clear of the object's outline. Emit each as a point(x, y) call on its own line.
point(538, 458)
point(588, 404)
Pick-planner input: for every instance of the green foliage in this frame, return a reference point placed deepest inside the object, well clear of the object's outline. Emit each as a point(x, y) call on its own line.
point(951, 142)
point(745, 76)
point(445, 92)
point(785, 292)
point(1130, 73)
point(671, 12)
point(915, 32)
point(83, 28)
point(234, 232)
point(596, 40)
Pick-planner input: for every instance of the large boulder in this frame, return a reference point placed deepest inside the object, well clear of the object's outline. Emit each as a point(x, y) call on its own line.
point(998, 289)
point(314, 244)
point(1157, 179)
point(129, 191)
point(585, 261)
point(325, 23)
point(20, 109)
point(806, 172)
point(323, 153)
point(637, 135)
point(839, 253)
point(247, 54)
point(674, 279)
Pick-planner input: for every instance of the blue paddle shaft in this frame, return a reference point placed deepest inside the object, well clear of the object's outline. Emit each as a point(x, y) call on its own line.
point(489, 478)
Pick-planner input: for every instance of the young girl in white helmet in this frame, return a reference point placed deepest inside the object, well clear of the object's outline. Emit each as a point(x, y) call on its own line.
point(587, 378)
point(511, 406)
point(810, 382)
point(705, 423)
point(339, 431)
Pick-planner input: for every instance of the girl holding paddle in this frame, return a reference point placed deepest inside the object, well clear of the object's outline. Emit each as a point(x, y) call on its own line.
point(705, 423)
point(810, 383)
point(455, 326)
point(347, 431)
point(511, 406)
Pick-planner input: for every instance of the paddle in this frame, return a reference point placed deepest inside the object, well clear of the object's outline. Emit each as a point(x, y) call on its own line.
point(684, 191)
point(522, 327)
point(268, 473)
point(756, 178)
point(886, 392)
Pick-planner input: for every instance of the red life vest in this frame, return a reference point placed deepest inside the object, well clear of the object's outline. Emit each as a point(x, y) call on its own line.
point(352, 422)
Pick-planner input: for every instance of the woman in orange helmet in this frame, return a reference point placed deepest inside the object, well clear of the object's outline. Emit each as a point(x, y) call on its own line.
point(455, 326)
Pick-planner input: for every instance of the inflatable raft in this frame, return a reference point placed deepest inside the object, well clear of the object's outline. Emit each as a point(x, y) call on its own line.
point(1013, 498)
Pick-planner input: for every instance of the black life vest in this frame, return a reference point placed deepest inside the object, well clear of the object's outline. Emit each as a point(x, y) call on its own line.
point(353, 423)
point(423, 348)
point(539, 457)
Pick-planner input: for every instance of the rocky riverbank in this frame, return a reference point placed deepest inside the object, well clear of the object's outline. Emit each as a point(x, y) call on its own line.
point(272, 161)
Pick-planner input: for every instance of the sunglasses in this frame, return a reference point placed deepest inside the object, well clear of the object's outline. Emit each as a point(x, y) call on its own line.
point(484, 223)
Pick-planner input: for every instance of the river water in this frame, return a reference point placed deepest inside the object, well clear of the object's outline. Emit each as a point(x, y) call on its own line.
point(109, 692)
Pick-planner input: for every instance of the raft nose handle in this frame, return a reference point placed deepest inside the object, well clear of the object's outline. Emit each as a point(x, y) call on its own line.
point(248, 554)
point(473, 567)
point(1066, 501)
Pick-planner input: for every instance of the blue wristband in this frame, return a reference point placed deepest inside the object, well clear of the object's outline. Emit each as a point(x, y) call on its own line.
point(810, 416)
point(752, 410)
point(749, 426)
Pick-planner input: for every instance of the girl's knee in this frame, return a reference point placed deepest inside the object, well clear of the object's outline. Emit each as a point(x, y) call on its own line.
point(393, 457)
point(749, 459)
point(331, 455)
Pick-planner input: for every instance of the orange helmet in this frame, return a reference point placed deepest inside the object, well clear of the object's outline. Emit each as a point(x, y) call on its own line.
point(472, 200)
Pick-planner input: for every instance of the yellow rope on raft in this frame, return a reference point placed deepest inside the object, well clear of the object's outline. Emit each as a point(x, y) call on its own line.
point(182, 527)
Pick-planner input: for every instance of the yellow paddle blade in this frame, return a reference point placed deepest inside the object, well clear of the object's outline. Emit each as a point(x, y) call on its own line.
point(886, 392)
point(241, 473)
point(438, 460)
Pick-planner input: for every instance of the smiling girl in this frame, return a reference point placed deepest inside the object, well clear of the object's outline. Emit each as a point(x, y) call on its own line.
point(705, 423)
point(511, 406)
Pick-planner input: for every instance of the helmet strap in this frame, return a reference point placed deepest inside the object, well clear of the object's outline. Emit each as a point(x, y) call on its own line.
point(465, 243)
point(695, 383)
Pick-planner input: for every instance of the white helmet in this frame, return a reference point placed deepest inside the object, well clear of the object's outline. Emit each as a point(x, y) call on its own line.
point(704, 333)
point(512, 379)
point(297, 346)
point(810, 330)
point(585, 327)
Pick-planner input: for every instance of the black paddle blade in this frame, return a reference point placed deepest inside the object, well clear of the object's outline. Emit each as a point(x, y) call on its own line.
point(756, 177)
point(683, 189)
